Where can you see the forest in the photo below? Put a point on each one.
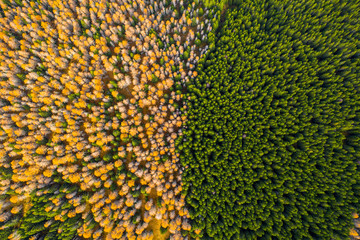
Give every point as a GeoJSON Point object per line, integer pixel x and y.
{"type": "Point", "coordinates": [272, 139]}
{"type": "Point", "coordinates": [179, 119]}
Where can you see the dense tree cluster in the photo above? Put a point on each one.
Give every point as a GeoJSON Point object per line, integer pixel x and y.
{"type": "Point", "coordinates": [271, 148]}
{"type": "Point", "coordinates": [46, 221]}
{"type": "Point", "coordinates": [124, 119]}
{"type": "Point", "coordinates": [90, 98]}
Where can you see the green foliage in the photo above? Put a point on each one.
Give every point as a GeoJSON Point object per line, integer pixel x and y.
{"type": "Point", "coordinates": [272, 138]}
{"type": "Point", "coordinates": [201, 12]}
{"type": "Point", "coordinates": [73, 96]}
{"type": "Point", "coordinates": [215, 3]}
{"type": "Point", "coordinates": [163, 230]}
{"type": "Point", "coordinates": [186, 55]}
{"type": "Point", "coordinates": [45, 114]}
{"type": "Point", "coordinates": [21, 76]}
{"type": "Point", "coordinates": [5, 233]}
{"type": "Point", "coordinates": [107, 157]}
{"type": "Point", "coordinates": [154, 78]}
{"type": "Point", "coordinates": [198, 42]}
{"type": "Point", "coordinates": [33, 222]}
{"type": "Point", "coordinates": [136, 141]}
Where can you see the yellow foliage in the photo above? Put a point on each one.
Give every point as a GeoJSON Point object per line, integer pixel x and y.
{"type": "Point", "coordinates": [15, 209]}
{"type": "Point", "coordinates": [48, 173]}
{"type": "Point", "coordinates": [118, 163]}
{"type": "Point", "coordinates": [131, 183]}
{"type": "Point", "coordinates": [137, 57]}
{"type": "Point", "coordinates": [353, 233]}
{"type": "Point", "coordinates": [74, 178]}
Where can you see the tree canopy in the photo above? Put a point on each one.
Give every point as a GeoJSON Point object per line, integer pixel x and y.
{"type": "Point", "coordinates": [272, 139]}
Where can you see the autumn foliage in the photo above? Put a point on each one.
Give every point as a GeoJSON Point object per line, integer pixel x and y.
{"type": "Point", "coordinates": [90, 108]}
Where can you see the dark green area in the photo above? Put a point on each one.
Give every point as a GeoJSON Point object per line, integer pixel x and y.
{"type": "Point", "coordinates": [5, 233]}
{"type": "Point", "coordinates": [272, 139]}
